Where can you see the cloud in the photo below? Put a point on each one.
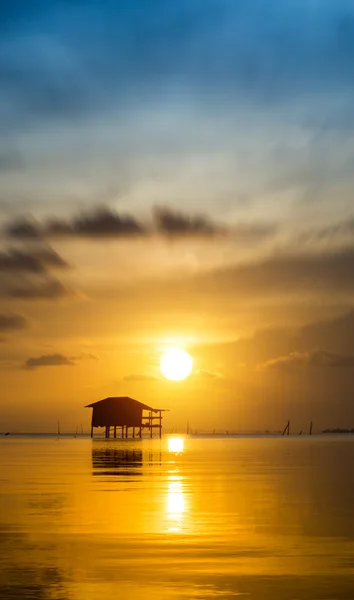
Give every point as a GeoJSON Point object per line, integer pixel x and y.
{"type": "Point", "coordinates": [171, 223]}
{"type": "Point", "coordinates": [140, 377]}
{"type": "Point", "coordinates": [31, 261]}
{"type": "Point", "coordinates": [46, 289]}
{"type": "Point", "coordinates": [104, 222]}
{"type": "Point", "coordinates": [330, 272]}
{"type": "Point", "coordinates": [87, 356]}
{"type": "Point", "coordinates": [319, 277]}
{"type": "Point", "coordinates": [26, 273]}
{"type": "Point", "coordinates": [57, 360]}
{"type": "Point", "coordinates": [314, 358]}
{"type": "Point", "coordinates": [101, 223]}
{"type": "Point", "coordinates": [12, 322]}
{"type": "Point", "coordinates": [341, 229]}
{"type": "Point", "coordinates": [205, 374]}
{"type": "Point", "coordinates": [24, 229]}
{"type": "Point", "coordinates": [48, 360]}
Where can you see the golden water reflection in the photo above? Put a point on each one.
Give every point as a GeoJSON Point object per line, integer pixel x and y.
{"type": "Point", "coordinates": [256, 518]}
{"type": "Point", "coordinates": [176, 501]}
{"type": "Point", "coordinates": [176, 445]}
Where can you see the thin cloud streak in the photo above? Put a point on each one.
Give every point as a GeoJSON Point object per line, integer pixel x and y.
{"type": "Point", "coordinates": [56, 360]}
{"type": "Point", "coordinates": [140, 377]}
{"type": "Point", "coordinates": [315, 358]}
{"type": "Point", "coordinates": [48, 360]}
{"type": "Point", "coordinates": [330, 271]}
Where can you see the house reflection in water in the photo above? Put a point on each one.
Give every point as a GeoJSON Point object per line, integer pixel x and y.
{"type": "Point", "coordinates": [122, 461]}
{"type": "Point", "coordinates": [110, 461]}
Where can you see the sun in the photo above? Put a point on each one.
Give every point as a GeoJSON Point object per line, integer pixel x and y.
{"type": "Point", "coordinates": [176, 364]}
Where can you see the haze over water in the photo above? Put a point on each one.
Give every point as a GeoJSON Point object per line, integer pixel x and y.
{"type": "Point", "coordinates": [260, 518]}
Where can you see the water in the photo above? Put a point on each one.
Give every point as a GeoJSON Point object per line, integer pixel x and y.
{"type": "Point", "coordinates": [254, 518]}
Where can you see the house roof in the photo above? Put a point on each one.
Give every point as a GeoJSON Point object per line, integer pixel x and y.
{"type": "Point", "coordinates": [119, 400]}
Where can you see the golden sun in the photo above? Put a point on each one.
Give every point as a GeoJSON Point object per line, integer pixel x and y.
{"type": "Point", "coordinates": [176, 364]}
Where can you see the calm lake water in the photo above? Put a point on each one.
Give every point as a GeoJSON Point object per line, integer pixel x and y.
{"type": "Point", "coordinates": [258, 518]}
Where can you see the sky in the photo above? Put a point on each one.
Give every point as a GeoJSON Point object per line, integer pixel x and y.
{"type": "Point", "coordinates": [177, 174]}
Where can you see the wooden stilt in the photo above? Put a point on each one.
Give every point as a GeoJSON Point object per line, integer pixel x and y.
{"type": "Point", "coordinates": [115, 432]}
{"type": "Point", "coordinates": [311, 425]}
{"type": "Point", "coordinates": [133, 432]}
{"type": "Point", "coordinates": [91, 430]}
{"type": "Point", "coordinates": [126, 431]}
{"type": "Point", "coordinates": [122, 431]}
{"type": "Point", "coordinates": [107, 431]}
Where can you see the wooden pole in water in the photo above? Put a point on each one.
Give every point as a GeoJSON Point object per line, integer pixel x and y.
{"type": "Point", "coordinates": [287, 429]}
{"type": "Point", "coordinates": [311, 425]}
{"type": "Point", "coordinates": [115, 432]}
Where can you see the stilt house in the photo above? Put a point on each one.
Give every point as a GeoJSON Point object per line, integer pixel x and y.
{"type": "Point", "coordinates": [125, 413]}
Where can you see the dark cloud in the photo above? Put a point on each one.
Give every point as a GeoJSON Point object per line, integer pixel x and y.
{"type": "Point", "coordinates": [48, 360]}
{"type": "Point", "coordinates": [314, 358]}
{"type": "Point", "coordinates": [27, 273]}
{"type": "Point", "coordinates": [12, 322]}
{"type": "Point", "coordinates": [30, 260]}
{"type": "Point", "coordinates": [47, 288]}
{"type": "Point", "coordinates": [101, 223]}
{"type": "Point", "coordinates": [24, 229]}
{"type": "Point", "coordinates": [139, 377]}
{"type": "Point", "coordinates": [104, 222]}
{"type": "Point", "coordinates": [176, 224]}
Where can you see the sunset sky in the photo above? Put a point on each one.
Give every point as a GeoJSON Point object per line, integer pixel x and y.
{"type": "Point", "coordinates": [177, 174]}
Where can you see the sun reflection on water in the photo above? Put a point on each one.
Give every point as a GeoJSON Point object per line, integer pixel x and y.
{"type": "Point", "coordinates": [176, 445]}
{"type": "Point", "coordinates": [175, 503]}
